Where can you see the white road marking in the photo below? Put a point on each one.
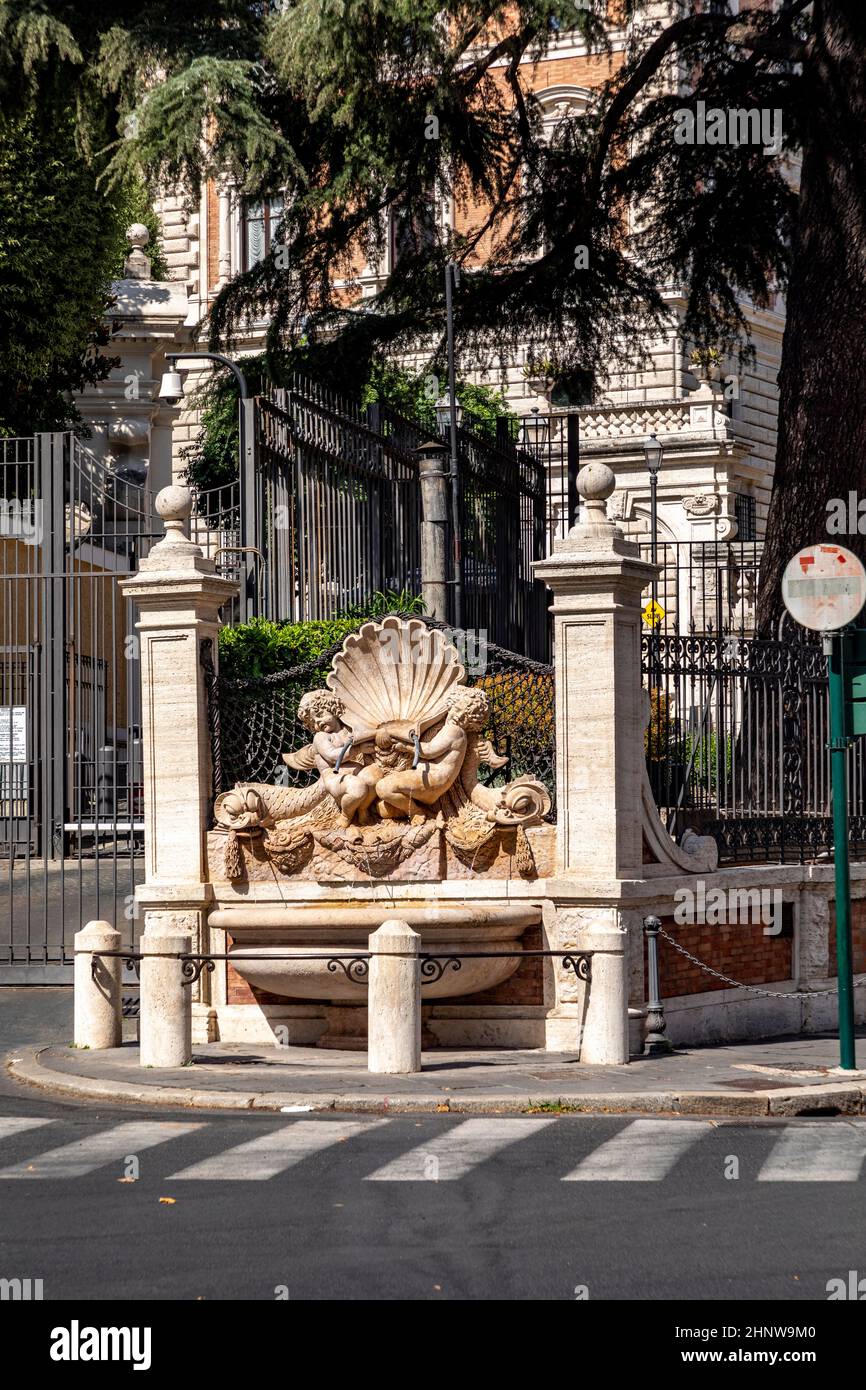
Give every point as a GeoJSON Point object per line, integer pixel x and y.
{"type": "Point", "coordinates": [17, 1125]}
{"type": "Point", "coordinates": [454, 1153]}
{"type": "Point", "coordinates": [96, 1150]}
{"type": "Point", "coordinates": [645, 1151]}
{"type": "Point", "coordinates": [806, 1153]}
{"type": "Point", "coordinates": [275, 1152]}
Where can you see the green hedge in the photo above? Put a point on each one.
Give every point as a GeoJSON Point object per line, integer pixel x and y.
{"type": "Point", "coordinates": [261, 647]}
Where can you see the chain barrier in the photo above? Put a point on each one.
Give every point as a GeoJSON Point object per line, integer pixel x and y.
{"type": "Point", "coordinates": [737, 984]}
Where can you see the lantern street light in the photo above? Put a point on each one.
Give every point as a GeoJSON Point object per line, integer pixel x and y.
{"type": "Point", "coordinates": [535, 430]}
{"type": "Point", "coordinates": [653, 454]}
{"type": "Point", "coordinates": [444, 413]}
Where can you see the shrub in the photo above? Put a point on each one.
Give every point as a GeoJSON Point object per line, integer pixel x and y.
{"type": "Point", "coordinates": [261, 647]}
{"type": "Point", "coordinates": [661, 738]}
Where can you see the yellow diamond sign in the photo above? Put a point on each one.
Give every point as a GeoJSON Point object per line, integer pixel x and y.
{"type": "Point", "coordinates": [653, 613]}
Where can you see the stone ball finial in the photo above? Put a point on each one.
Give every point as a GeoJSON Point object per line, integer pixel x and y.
{"type": "Point", "coordinates": [137, 235]}
{"type": "Point", "coordinates": [596, 482]}
{"type": "Point", "coordinates": [173, 504]}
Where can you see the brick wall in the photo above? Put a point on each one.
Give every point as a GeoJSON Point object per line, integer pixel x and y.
{"type": "Point", "coordinates": [525, 986]}
{"type": "Point", "coordinates": [742, 952]}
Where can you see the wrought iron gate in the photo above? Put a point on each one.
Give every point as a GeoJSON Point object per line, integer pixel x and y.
{"type": "Point", "coordinates": [71, 824]}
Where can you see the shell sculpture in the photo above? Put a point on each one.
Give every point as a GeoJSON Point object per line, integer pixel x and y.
{"type": "Point", "coordinates": [395, 671]}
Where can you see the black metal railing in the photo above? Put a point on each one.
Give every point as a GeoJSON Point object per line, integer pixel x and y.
{"type": "Point", "coordinates": [706, 586]}
{"type": "Point", "coordinates": [354, 964]}
{"type": "Point", "coordinates": [254, 721]}
{"type": "Point", "coordinates": [332, 516]}
{"type": "Point", "coordinates": [737, 745]}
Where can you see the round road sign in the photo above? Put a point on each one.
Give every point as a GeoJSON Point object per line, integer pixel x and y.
{"type": "Point", "coordinates": [824, 587]}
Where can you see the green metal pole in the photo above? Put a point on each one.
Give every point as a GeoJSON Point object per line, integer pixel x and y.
{"type": "Point", "coordinates": [839, 742]}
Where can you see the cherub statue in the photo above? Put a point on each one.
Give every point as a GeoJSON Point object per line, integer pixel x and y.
{"type": "Point", "coordinates": [438, 763]}
{"type": "Point", "coordinates": [349, 778]}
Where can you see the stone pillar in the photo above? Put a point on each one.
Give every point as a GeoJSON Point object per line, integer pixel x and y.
{"type": "Point", "coordinates": [394, 1001]}
{"type": "Point", "coordinates": [597, 579]}
{"type": "Point", "coordinates": [605, 1025]}
{"type": "Point", "coordinates": [178, 595]}
{"type": "Point", "coordinates": [166, 1000]}
{"type": "Point", "coordinates": [97, 998]}
{"type": "Point", "coordinates": [812, 957]}
{"type": "Point", "coordinates": [433, 471]}
{"type": "Point", "coordinates": [812, 962]}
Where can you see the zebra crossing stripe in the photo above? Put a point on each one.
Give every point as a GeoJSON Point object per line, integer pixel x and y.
{"type": "Point", "coordinates": [454, 1153]}
{"type": "Point", "coordinates": [108, 1146]}
{"type": "Point", "coordinates": [273, 1153]}
{"type": "Point", "coordinates": [645, 1151]}
{"type": "Point", "coordinates": [807, 1153]}
{"type": "Point", "coordinates": [10, 1125]}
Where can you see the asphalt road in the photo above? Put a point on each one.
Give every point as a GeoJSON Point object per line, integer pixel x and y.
{"type": "Point", "coordinates": [264, 1207]}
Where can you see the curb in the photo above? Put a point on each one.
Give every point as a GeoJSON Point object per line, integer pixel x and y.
{"type": "Point", "coordinates": [811, 1101]}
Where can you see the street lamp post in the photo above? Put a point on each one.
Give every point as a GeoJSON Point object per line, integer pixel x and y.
{"type": "Point", "coordinates": [171, 391]}
{"type": "Point", "coordinates": [452, 279]}
{"type": "Point", "coordinates": [653, 455]}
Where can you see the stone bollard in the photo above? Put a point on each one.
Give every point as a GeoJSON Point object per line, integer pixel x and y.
{"type": "Point", "coordinates": [394, 1002]}
{"type": "Point", "coordinates": [96, 1003]}
{"type": "Point", "coordinates": [605, 1026]}
{"type": "Point", "coordinates": [166, 1000]}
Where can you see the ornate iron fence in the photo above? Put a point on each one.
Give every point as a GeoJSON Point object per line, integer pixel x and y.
{"type": "Point", "coordinates": [254, 721]}
{"type": "Point", "coordinates": [329, 513]}
{"type": "Point", "coordinates": [737, 745]}
{"type": "Point", "coordinates": [706, 586]}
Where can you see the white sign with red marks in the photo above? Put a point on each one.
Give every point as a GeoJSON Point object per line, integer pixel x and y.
{"type": "Point", "coordinates": [824, 587]}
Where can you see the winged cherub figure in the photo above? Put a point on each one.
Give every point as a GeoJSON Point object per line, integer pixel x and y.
{"type": "Point", "coordinates": [345, 774]}
{"type": "Point", "coordinates": [437, 763]}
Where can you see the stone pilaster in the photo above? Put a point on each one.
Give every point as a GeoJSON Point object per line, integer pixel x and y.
{"type": "Point", "coordinates": [597, 579]}
{"type": "Point", "coordinates": [178, 595]}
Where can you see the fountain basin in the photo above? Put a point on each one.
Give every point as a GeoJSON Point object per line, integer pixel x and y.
{"type": "Point", "coordinates": [261, 935]}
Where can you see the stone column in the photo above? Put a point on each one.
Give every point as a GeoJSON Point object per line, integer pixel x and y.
{"type": "Point", "coordinates": [178, 595]}
{"type": "Point", "coordinates": [97, 997]}
{"type": "Point", "coordinates": [433, 470]}
{"type": "Point", "coordinates": [394, 1001]}
{"type": "Point", "coordinates": [597, 579]}
{"type": "Point", "coordinates": [224, 235]}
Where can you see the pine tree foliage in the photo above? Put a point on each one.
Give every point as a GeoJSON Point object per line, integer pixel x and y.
{"type": "Point", "coordinates": [577, 241]}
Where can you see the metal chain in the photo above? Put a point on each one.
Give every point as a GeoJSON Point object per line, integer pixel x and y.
{"type": "Point", "coordinates": [736, 984]}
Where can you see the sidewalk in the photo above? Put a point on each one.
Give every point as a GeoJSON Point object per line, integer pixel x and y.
{"type": "Point", "coordinates": [777, 1077]}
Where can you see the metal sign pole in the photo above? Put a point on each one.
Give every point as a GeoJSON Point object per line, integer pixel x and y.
{"type": "Point", "coordinates": [834, 645]}
{"type": "Point", "coordinates": [824, 589]}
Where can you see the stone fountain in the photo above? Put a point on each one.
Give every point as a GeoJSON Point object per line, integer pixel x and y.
{"type": "Point", "coordinates": [394, 798]}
